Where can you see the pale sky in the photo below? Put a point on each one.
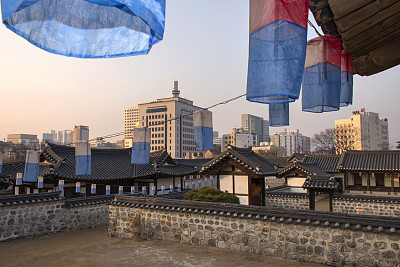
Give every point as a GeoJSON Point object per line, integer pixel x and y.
{"type": "Point", "coordinates": [205, 48]}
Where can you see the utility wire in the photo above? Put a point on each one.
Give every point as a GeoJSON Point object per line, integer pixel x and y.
{"type": "Point", "coordinates": [164, 122]}
{"type": "Point", "coordinates": [315, 29]}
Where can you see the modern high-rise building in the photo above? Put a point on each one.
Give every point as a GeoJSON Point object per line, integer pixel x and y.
{"type": "Point", "coordinates": [171, 123]}
{"type": "Point", "coordinates": [239, 138]}
{"type": "Point", "coordinates": [256, 125]}
{"type": "Point", "coordinates": [131, 121]}
{"type": "Point", "coordinates": [81, 133]}
{"type": "Point", "coordinates": [216, 140]}
{"type": "Point", "coordinates": [363, 131]}
{"type": "Point", "coordinates": [29, 140]}
{"type": "Point", "coordinates": [292, 141]}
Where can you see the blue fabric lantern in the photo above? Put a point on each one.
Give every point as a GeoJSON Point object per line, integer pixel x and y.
{"type": "Point", "coordinates": [200, 185]}
{"type": "Point", "coordinates": [179, 188]}
{"type": "Point", "coordinates": [77, 187]}
{"type": "Point", "coordinates": [212, 180]}
{"type": "Point", "coordinates": [144, 190]}
{"type": "Point", "coordinates": [203, 129]}
{"type": "Point", "coordinates": [40, 182]}
{"type": "Point", "coordinates": [132, 190]}
{"type": "Point", "coordinates": [321, 79]}
{"type": "Point", "coordinates": [31, 171]}
{"type": "Point", "coordinates": [162, 190]}
{"type": "Point", "coordinates": [171, 188]}
{"type": "Point", "coordinates": [60, 185]}
{"type": "Point", "coordinates": [108, 190]}
{"type": "Point", "coordinates": [205, 182]}
{"type": "Point", "coordinates": [346, 88]}
{"type": "Point", "coordinates": [93, 189]}
{"type": "Point", "coordinates": [187, 186]}
{"type": "Point", "coordinates": [141, 146]}
{"type": "Point", "coordinates": [277, 50]}
{"type": "Point", "coordinates": [278, 115]}
{"type": "Point", "coordinates": [18, 179]}
{"type": "Point", "coordinates": [120, 190]}
{"type": "Point", "coordinates": [83, 161]}
{"type": "Point", "coordinates": [193, 185]}
{"type": "Point", "coordinates": [153, 190]}
{"type": "Point", "coordinates": [88, 28]}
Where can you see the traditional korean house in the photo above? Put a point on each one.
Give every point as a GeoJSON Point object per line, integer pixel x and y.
{"type": "Point", "coordinates": [371, 172]}
{"type": "Point", "coordinates": [242, 172]}
{"type": "Point", "coordinates": [108, 167]}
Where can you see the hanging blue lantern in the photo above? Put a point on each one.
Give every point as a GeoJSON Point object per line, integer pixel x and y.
{"type": "Point", "coordinates": [120, 190]}
{"type": "Point", "coordinates": [277, 50]}
{"type": "Point", "coordinates": [346, 88]}
{"type": "Point", "coordinates": [40, 182]}
{"type": "Point", "coordinates": [279, 115]}
{"type": "Point", "coordinates": [200, 185]}
{"type": "Point", "coordinates": [212, 179]}
{"type": "Point", "coordinates": [88, 28]}
{"type": "Point", "coordinates": [187, 186]}
{"type": "Point", "coordinates": [77, 187]}
{"type": "Point", "coordinates": [93, 189]}
{"type": "Point", "coordinates": [18, 179]}
{"type": "Point", "coordinates": [179, 188]}
{"type": "Point", "coordinates": [171, 188]}
{"type": "Point", "coordinates": [141, 146]}
{"type": "Point", "coordinates": [162, 190]}
{"type": "Point", "coordinates": [144, 190]}
{"type": "Point", "coordinates": [203, 129]}
{"type": "Point", "coordinates": [193, 185]}
{"type": "Point", "coordinates": [321, 79]}
{"type": "Point", "coordinates": [60, 185]}
{"type": "Point", "coordinates": [153, 190]}
{"type": "Point", "coordinates": [132, 190]}
{"type": "Point", "coordinates": [31, 172]}
{"type": "Point", "coordinates": [205, 182]}
{"type": "Point", "coordinates": [108, 190]}
{"type": "Point", "coordinates": [83, 159]}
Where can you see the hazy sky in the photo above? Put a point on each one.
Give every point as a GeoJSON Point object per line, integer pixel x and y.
{"type": "Point", "coordinates": [205, 48]}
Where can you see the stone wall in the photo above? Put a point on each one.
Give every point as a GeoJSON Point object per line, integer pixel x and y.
{"type": "Point", "coordinates": [369, 205]}
{"type": "Point", "coordinates": [40, 214]}
{"type": "Point", "coordinates": [321, 237]}
{"type": "Point", "coordinates": [287, 200]}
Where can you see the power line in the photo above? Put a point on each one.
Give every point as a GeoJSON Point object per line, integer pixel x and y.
{"type": "Point", "coordinates": [315, 29]}
{"type": "Point", "coordinates": [164, 122]}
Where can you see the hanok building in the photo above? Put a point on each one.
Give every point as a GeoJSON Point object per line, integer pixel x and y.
{"type": "Point", "coordinates": [371, 171]}
{"type": "Point", "coordinates": [242, 172]}
{"type": "Point", "coordinates": [108, 167]}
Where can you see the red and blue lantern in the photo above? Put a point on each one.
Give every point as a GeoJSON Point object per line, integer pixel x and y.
{"type": "Point", "coordinates": [31, 172]}
{"type": "Point", "coordinates": [322, 78]}
{"type": "Point", "coordinates": [346, 88]}
{"type": "Point", "coordinates": [277, 50]}
{"type": "Point", "coordinates": [141, 146]}
{"type": "Point", "coordinates": [83, 158]}
{"type": "Point", "coordinates": [203, 129]}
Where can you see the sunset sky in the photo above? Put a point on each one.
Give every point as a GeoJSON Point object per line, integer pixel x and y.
{"type": "Point", "coordinates": [205, 48]}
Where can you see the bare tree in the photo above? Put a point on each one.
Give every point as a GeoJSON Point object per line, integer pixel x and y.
{"type": "Point", "coordinates": [346, 138]}
{"type": "Point", "coordinates": [324, 142]}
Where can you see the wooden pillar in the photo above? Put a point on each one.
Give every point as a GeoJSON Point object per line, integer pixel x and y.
{"type": "Point", "coordinates": [368, 181]}
{"type": "Point", "coordinates": [263, 191]}
{"type": "Point", "coordinates": [330, 200]}
{"type": "Point", "coordinates": [392, 182]}
{"type": "Point", "coordinates": [218, 184]}
{"type": "Point", "coordinates": [311, 198]}
{"type": "Point", "coordinates": [346, 177]}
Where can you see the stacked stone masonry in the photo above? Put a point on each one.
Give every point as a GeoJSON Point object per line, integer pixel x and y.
{"type": "Point", "coordinates": [310, 243]}
{"type": "Point", "coordinates": [294, 201]}
{"type": "Point", "coordinates": [34, 219]}
{"type": "Point", "coordinates": [379, 206]}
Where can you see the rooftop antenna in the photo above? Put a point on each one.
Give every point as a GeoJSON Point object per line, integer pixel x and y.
{"type": "Point", "coordinates": [175, 92]}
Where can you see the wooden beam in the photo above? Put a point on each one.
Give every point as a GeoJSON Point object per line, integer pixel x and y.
{"type": "Point", "coordinates": [392, 182]}
{"type": "Point", "coordinates": [368, 181]}
{"type": "Point", "coordinates": [344, 7]}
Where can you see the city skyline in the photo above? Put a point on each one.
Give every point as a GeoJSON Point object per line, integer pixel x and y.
{"type": "Point", "coordinates": [206, 54]}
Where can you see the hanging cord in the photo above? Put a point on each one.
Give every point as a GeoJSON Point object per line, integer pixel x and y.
{"type": "Point", "coordinates": [315, 29]}
{"type": "Point", "coordinates": [163, 122]}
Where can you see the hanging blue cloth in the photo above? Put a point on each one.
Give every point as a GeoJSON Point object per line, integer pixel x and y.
{"type": "Point", "coordinates": [277, 50]}
{"type": "Point", "coordinates": [203, 130]}
{"type": "Point", "coordinates": [83, 158]}
{"type": "Point", "coordinates": [346, 89]}
{"type": "Point", "coordinates": [141, 146]}
{"type": "Point", "coordinates": [88, 28]}
{"type": "Point", "coordinates": [321, 79]}
{"type": "Point", "coordinates": [279, 115]}
{"type": "Point", "coordinates": [31, 171]}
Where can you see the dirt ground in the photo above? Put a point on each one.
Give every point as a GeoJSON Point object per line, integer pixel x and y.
{"type": "Point", "coordinates": [94, 248]}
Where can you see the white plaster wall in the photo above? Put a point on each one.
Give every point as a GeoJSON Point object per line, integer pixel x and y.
{"type": "Point", "coordinates": [177, 181]}
{"type": "Point", "coordinates": [241, 184]}
{"type": "Point", "coordinates": [295, 181]}
{"type": "Point", "coordinates": [364, 178]}
{"type": "Point", "coordinates": [165, 182]}
{"type": "Point", "coordinates": [350, 180]}
{"type": "Point", "coordinates": [373, 181]}
{"type": "Point", "coordinates": [225, 183]}
{"type": "Point", "coordinates": [244, 200]}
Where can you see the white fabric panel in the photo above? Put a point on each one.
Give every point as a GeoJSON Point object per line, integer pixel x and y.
{"type": "Point", "coordinates": [82, 148]}
{"type": "Point", "coordinates": [364, 181]}
{"type": "Point", "coordinates": [165, 182]}
{"type": "Point", "coordinates": [225, 183]}
{"type": "Point", "coordinates": [373, 181]}
{"type": "Point", "coordinates": [32, 157]}
{"type": "Point", "coordinates": [141, 135]}
{"type": "Point", "coordinates": [244, 200]}
{"type": "Point", "coordinates": [202, 118]}
{"type": "Point", "coordinates": [388, 181]}
{"type": "Point", "coordinates": [241, 184]}
{"type": "Point", "coordinates": [350, 179]}
{"type": "Point", "coordinates": [295, 181]}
